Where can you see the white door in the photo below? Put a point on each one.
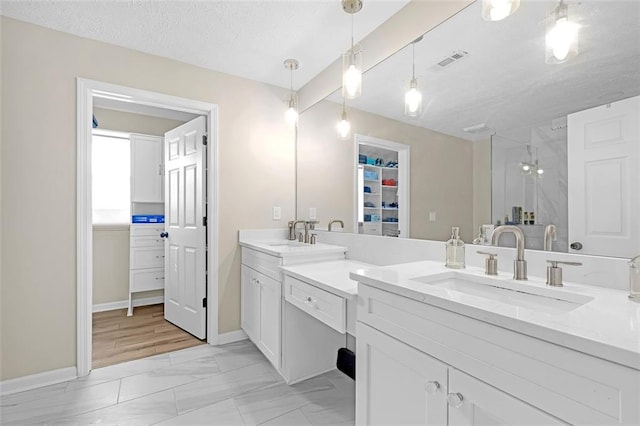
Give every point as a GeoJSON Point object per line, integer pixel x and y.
{"type": "Point", "coordinates": [604, 179]}
{"type": "Point", "coordinates": [472, 402]}
{"type": "Point", "coordinates": [270, 300]}
{"type": "Point", "coordinates": [250, 303]}
{"type": "Point", "coordinates": [185, 212]}
{"type": "Point", "coordinates": [397, 384]}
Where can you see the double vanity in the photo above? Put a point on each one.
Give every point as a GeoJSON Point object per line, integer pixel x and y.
{"type": "Point", "coordinates": [441, 346]}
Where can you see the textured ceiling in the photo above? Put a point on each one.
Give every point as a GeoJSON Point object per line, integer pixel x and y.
{"type": "Point", "coordinates": [504, 81]}
{"type": "Point", "coordinates": [250, 39]}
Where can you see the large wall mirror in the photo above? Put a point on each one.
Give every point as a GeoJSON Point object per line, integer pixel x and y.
{"type": "Point", "coordinates": [494, 129]}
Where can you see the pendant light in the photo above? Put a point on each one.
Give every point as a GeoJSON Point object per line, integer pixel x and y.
{"type": "Point", "coordinates": [561, 41]}
{"type": "Point", "coordinates": [413, 97]}
{"type": "Point", "coordinates": [291, 114]}
{"type": "Point", "coordinates": [344, 126]}
{"type": "Point", "coordinates": [497, 10]}
{"type": "Point", "coordinates": [352, 59]}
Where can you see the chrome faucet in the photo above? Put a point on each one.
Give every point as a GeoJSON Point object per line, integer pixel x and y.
{"type": "Point", "coordinates": [331, 222]}
{"type": "Point", "coordinates": [549, 237]}
{"type": "Point", "coordinates": [292, 228]}
{"type": "Point", "coordinates": [519, 265]}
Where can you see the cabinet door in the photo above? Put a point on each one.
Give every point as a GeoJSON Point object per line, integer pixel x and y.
{"type": "Point", "coordinates": [250, 303]}
{"type": "Point", "coordinates": [146, 169]}
{"type": "Point", "coordinates": [397, 384]}
{"type": "Point", "coordinates": [270, 299]}
{"type": "Point", "coordinates": [472, 402]}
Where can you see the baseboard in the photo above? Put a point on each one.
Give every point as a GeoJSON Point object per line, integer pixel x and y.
{"type": "Point", "coordinates": [33, 381]}
{"type": "Point", "coordinates": [232, 336]}
{"type": "Point", "coordinates": [122, 304]}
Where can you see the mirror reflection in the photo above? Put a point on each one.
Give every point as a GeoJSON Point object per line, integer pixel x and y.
{"type": "Point", "coordinates": [505, 128]}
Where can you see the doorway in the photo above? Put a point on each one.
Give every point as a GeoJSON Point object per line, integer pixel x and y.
{"type": "Point", "coordinates": [87, 90]}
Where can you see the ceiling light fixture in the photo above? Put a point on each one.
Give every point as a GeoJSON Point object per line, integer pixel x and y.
{"type": "Point", "coordinates": [497, 10]}
{"type": "Point", "coordinates": [352, 58]}
{"type": "Point", "coordinates": [344, 126]}
{"type": "Point", "coordinates": [530, 167]}
{"type": "Point", "coordinates": [291, 114]}
{"type": "Point", "coordinates": [561, 41]}
{"type": "Point", "coordinates": [413, 97]}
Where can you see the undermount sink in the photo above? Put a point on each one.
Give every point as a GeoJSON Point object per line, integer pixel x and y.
{"type": "Point", "coordinates": [541, 299]}
{"type": "Point", "coordinates": [286, 244]}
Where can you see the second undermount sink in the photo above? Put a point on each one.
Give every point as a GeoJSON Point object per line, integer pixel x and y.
{"type": "Point", "coordinates": [542, 299]}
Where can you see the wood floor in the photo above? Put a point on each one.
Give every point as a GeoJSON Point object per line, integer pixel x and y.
{"type": "Point", "coordinates": [118, 338]}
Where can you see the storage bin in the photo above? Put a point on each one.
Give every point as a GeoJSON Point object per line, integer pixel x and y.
{"type": "Point", "coordinates": [147, 218]}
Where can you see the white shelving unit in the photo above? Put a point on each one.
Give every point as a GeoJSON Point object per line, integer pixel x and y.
{"type": "Point", "coordinates": [382, 210]}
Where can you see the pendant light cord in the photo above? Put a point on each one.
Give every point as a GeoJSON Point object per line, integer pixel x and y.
{"type": "Point", "coordinates": [413, 67]}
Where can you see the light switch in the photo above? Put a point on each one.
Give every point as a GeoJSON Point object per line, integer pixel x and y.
{"type": "Point", "coordinates": [277, 213]}
{"type": "Point", "coordinates": [312, 213]}
{"type": "Point", "coordinates": [432, 216]}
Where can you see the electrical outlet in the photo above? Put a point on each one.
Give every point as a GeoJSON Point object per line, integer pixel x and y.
{"type": "Point", "coordinates": [312, 213]}
{"type": "Point", "coordinates": [432, 216]}
{"type": "Point", "coordinates": [277, 213]}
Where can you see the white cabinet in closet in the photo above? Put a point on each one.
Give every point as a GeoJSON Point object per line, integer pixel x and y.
{"type": "Point", "coordinates": [146, 259]}
{"type": "Point", "coordinates": [147, 169]}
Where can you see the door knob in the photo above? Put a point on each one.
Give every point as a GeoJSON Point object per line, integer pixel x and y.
{"type": "Point", "coordinates": [576, 246]}
{"type": "Point", "coordinates": [455, 400]}
{"type": "Point", "coordinates": [164, 235]}
{"type": "Point", "coordinates": [432, 387]}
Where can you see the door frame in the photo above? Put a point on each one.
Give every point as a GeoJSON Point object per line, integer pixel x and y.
{"type": "Point", "coordinates": [84, 227]}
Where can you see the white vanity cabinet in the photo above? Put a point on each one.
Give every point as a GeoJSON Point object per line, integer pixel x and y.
{"type": "Point", "coordinates": [486, 374]}
{"type": "Point", "coordinates": [262, 300]}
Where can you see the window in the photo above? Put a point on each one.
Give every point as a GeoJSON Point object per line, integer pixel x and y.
{"type": "Point", "coordinates": [111, 178]}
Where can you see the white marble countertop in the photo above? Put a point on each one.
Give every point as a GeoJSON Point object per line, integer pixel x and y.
{"type": "Point", "coordinates": [606, 326]}
{"type": "Point", "coordinates": [286, 248]}
{"type": "Point", "coordinates": [331, 276]}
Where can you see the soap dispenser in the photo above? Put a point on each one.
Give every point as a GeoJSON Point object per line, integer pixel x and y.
{"type": "Point", "coordinates": [455, 250]}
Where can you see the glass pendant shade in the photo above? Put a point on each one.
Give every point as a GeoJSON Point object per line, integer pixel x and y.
{"type": "Point", "coordinates": [352, 73]}
{"type": "Point", "coordinates": [497, 10]}
{"type": "Point", "coordinates": [561, 41]}
{"type": "Point", "coordinates": [291, 114]}
{"type": "Point", "coordinates": [343, 127]}
{"type": "Point", "coordinates": [413, 100]}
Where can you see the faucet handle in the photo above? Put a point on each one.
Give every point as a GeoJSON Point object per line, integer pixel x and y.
{"type": "Point", "coordinates": [491, 263]}
{"type": "Point", "coordinates": [554, 273]}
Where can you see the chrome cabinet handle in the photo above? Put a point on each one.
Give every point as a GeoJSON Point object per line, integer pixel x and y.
{"type": "Point", "coordinates": [455, 399]}
{"type": "Point", "coordinates": [432, 387]}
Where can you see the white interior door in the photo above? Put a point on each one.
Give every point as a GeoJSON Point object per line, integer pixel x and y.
{"type": "Point", "coordinates": [604, 181]}
{"type": "Point", "coordinates": [185, 212]}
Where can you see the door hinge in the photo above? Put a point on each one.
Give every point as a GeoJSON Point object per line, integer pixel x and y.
{"type": "Point", "coordinates": [204, 221]}
{"type": "Point", "coordinates": [204, 302]}
{"type": "Point", "coordinates": [204, 140]}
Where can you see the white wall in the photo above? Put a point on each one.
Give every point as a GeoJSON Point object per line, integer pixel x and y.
{"type": "Point", "coordinates": [38, 266]}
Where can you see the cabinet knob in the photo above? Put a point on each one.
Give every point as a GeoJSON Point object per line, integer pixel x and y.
{"type": "Point", "coordinates": [164, 235]}
{"type": "Point", "coordinates": [455, 399]}
{"type": "Point", "coordinates": [432, 387]}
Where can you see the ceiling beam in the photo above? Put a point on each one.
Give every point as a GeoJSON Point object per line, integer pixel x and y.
{"type": "Point", "coordinates": [409, 23]}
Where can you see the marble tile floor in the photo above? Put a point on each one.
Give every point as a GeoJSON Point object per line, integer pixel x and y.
{"type": "Point", "coordinates": [232, 384]}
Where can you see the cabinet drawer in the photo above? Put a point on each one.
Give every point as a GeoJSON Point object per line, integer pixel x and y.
{"type": "Point", "coordinates": [147, 229]}
{"type": "Point", "coordinates": [320, 304]}
{"type": "Point", "coordinates": [144, 280]}
{"type": "Point", "coordinates": [372, 228]}
{"type": "Point", "coordinates": [143, 257]}
{"type": "Point", "coordinates": [147, 241]}
{"type": "Point", "coordinates": [262, 262]}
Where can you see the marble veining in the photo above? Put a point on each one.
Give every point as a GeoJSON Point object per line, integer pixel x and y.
{"type": "Point", "coordinates": [225, 385]}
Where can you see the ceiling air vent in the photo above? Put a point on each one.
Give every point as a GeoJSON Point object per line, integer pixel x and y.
{"type": "Point", "coordinates": [456, 56]}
